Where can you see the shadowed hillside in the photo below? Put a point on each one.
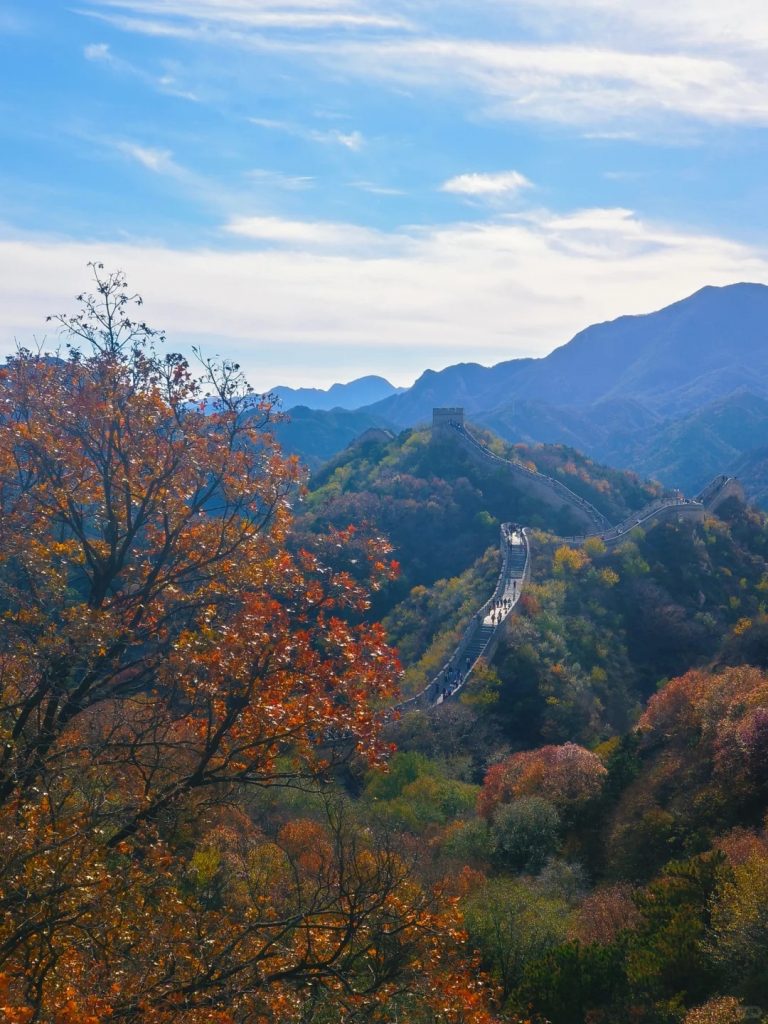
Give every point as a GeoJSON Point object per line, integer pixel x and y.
{"type": "Point", "coordinates": [675, 395]}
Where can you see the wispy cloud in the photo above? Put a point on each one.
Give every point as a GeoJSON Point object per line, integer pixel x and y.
{"type": "Point", "coordinates": [377, 190]}
{"type": "Point", "coordinates": [272, 124]}
{"type": "Point", "coordinates": [353, 140]}
{"type": "Point", "coordinates": [695, 60]}
{"type": "Point", "coordinates": [196, 16]}
{"type": "Point", "coordinates": [487, 186]}
{"type": "Point", "coordinates": [349, 140]}
{"type": "Point", "coordinates": [99, 52]}
{"type": "Point", "coordinates": [259, 187]}
{"type": "Point", "coordinates": [276, 179]}
{"type": "Point", "coordinates": [102, 53]}
{"type": "Point", "coordinates": [741, 25]}
{"type": "Point", "coordinates": [160, 161]}
{"type": "Point", "coordinates": [305, 234]}
{"type": "Point", "coordinates": [575, 85]}
{"type": "Point", "coordinates": [200, 189]}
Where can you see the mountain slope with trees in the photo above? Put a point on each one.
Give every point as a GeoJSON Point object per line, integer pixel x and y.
{"type": "Point", "coordinates": [670, 394]}
{"type": "Point", "coordinates": [208, 817]}
{"type": "Point", "coordinates": [614, 865]}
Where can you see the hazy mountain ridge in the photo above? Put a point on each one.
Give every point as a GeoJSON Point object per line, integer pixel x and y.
{"type": "Point", "coordinates": [317, 435]}
{"type": "Point", "coordinates": [352, 395]}
{"type": "Point", "coordinates": [684, 452]}
{"type": "Point", "coordinates": [678, 394]}
{"type": "Point", "coordinates": [671, 360]}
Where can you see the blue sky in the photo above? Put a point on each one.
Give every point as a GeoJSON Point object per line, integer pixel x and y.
{"type": "Point", "coordinates": [326, 188]}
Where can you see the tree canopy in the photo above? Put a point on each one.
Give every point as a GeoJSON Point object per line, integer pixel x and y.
{"type": "Point", "coordinates": [162, 655]}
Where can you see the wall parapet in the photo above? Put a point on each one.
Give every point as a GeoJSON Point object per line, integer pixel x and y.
{"type": "Point", "coordinates": [480, 639]}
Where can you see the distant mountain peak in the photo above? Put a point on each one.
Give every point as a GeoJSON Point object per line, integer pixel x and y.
{"type": "Point", "coordinates": [353, 395]}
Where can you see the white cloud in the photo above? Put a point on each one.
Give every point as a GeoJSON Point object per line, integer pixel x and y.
{"type": "Point", "coordinates": [740, 25]}
{"type": "Point", "coordinates": [377, 190]}
{"type": "Point", "coordinates": [98, 51]}
{"type": "Point", "coordinates": [272, 124]}
{"type": "Point", "coordinates": [197, 17]}
{"type": "Point", "coordinates": [487, 186]}
{"type": "Point", "coordinates": [298, 234]}
{"type": "Point", "coordinates": [276, 179]}
{"type": "Point", "coordinates": [598, 65]}
{"type": "Point", "coordinates": [328, 296]}
{"type": "Point", "coordinates": [102, 53]}
{"type": "Point", "coordinates": [158, 160]}
{"type": "Point", "coordinates": [574, 85]}
{"type": "Point", "coordinates": [206, 190]}
{"type": "Point", "coordinates": [353, 140]}
{"type": "Point", "coordinates": [162, 163]}
{"type": "Point", "coordinates": [350, 140]}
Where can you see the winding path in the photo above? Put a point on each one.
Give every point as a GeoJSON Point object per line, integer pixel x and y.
{"type": "Point", "coordinates": [482, 635]}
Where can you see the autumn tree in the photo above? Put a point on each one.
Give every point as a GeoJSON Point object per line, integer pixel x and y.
{"type": "Point", "coordinates": [568, 776]}
{"type": "Point", "coordinates": [161, 652]}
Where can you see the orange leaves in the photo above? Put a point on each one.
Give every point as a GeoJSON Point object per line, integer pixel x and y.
{"type": "Point", "coordinates": [567, 775]}
{"type": "Point", "coordinates": [11, 1012]}
{"type": "Point", "coordinates": [306, 843]}
{"type": "Point", "coordinates": [160, 649]}
{"type": "Point", "coordinates": [723, 717]}
{"type": "Point", "coordinates": [699, 703]}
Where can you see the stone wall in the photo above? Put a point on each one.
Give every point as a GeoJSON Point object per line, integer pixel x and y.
{"type": "Point", "coordinates": [446, 419]}
{"type": "Point", "coordinates": [545, 489]}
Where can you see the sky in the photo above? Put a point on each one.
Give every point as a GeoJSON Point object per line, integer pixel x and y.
{"type": "Point", "coordinates": [321, 189]}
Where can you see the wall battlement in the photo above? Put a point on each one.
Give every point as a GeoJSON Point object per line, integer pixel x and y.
{"type": "Point", "coordinates": [447, 418]}
{"type": "Point", "coordinates": [551, 492]}
{"type": "Point", "coordinates": [484, 631]}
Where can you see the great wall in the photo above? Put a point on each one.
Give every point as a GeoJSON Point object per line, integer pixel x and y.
{"type": "Point", "coordinates": [482, 635]}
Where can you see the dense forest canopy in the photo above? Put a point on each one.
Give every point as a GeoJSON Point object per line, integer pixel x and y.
{"type": "Point", "coordinates": [167, 662]}
{"type": "Point", "coordinates": [597, 848]}
{"type": "Point", "coordinates": [210, 813]}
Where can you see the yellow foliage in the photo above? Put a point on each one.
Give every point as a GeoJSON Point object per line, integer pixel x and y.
{"type": "Point", "coordinates": [605, 749]}
{"type": "Point", "coordinates": [721, 1010]}
{"type": "Point", "coordinates": [594, 547]}
{"type": "Point", "coordinates": [569, 560]}
{"type": "Point", "coordinates": [609, 578]}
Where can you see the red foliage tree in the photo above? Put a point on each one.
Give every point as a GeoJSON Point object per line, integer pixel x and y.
{"type": "Point", "coordinates": [567, 775]}
{"type": "Point", "coordinates": [161, 652]}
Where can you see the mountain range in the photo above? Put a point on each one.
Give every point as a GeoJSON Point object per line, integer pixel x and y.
{"type": "Point", "coordinates": [354, 395]}
{"type": "Point", "coordinates": [678, 394]}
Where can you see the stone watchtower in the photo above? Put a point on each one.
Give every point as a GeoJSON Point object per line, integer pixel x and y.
{"type": "Point", "coordinates": [444, 420]}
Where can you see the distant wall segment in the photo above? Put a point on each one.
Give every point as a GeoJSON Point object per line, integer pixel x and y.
{"type": "Point", "coordinates": [720, 490]}
{"type": "Point", "coordinates": [444, 420]}
{"type": "Point", "coordinates": [484, 631]}
{"type": "Point", "coordinates": [547, 490]}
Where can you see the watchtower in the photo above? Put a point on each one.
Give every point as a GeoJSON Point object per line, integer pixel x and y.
{"type": "Point", "coordinates": [446, 419]}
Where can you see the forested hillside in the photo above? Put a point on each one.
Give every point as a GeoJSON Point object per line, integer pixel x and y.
{"type": "Point", "coordinates": [182, 695]}
{"type": "Point", "coordinates": [441, 510]}
{"type": "Point", "coordinates": [596, 800]}
{"type": "Point", "coordinates": [212, 813]}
